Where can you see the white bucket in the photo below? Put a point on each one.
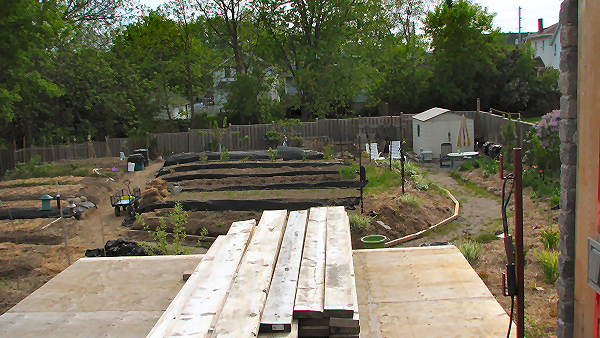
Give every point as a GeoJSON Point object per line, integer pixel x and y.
{"type": "Point", "coordinates": [130, 166]}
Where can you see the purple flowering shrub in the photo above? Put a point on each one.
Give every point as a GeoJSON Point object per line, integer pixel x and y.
{"type": "Point", "coordinates": [543, 143]}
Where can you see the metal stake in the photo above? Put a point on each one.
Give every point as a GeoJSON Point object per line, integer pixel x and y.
{"type": "Point", "coordinates": [64, 230]}
{"type": "Point", "coordinates": [518, 181]}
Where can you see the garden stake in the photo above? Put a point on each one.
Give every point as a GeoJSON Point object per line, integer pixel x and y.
{"type": "Point", "coordinates": [402, 164]}
{"type": "Point", "coordinates": [64, 230]}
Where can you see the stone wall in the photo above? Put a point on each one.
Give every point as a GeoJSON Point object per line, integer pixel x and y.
{"type": "Point", "coordinates": [568, 174]}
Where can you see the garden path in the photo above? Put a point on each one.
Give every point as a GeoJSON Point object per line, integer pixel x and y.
{"type": "Point", "coordinates": [479, 211]}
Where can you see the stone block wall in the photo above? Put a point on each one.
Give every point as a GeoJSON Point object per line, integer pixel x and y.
{"type": "Point", "coordinates": [568, 174]}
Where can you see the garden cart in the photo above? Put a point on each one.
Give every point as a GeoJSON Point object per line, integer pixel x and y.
{"type": "Point", "coordinates": [126, 199]}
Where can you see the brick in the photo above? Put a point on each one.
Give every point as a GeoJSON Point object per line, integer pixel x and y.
{"type": "Point", "coordinates": [566, 245]}
{"type": "Point", "coordinates": [568, 176]}
{"type": "Point", "coordinates": [567, 130]}
{"type": "Point", "coordinates": [568, 12]}
{"type": "Point", "coordinates": [565, 289]}
{"type": "Point", "coordinates": [567, 198]}
{"type": "Point", "coordinates": [568, 107]}
{"type": "Point", "coordinates": [568, 153]}
{"type": "Point", "coordinates": [568, 36]}
{"type": "Point", "coordinates": [564, 330]}
{"type": "Point", "coordinates": [568, 59]}
{"type": "Point", "coordinates": [566, 311]}
{"type": "Point", "coordinates": [567, 82]}
{"type": "Point", "coordinates": [566, 266]}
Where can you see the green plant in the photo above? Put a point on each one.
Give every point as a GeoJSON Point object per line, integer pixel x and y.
{"type": "Point", "coordinates": [178, 219]}
{"type": "Point", "coordinates": [359, 223]}
{"type": "Point", "coordinates": [548, 260]}
{"type": "Point", "coordinates": [471, 250]}
{"type": "Point", "coordinates": [273, 136]}
{"type": "Point", "coordinates": [420, 182]}
{"type": "Point", "coordinates": [485, 238]}
{"type": "Point", "coordinates": [328, 151]}
{"type": "Point", "coordinates": [272, 154]}
{"type": "Point", "coordinates": [246, 159]}
{"type": "Point", "coordinates": [543, 143]}
{"type": "Point", "coordinates": [347, 172]}
{"type": "Point", "coordinates": [409, 199]}
{"type": "Point", "coordinates": [225, 155]}
{"type": "Point", "coordinates": [218, 132]}
{"type": "Point", "coordinates": [410, 168]}
{"type": "Point", "coordinates": [304, 158]}
{"type": "Point", "coordinates": [550, 238]}
{"type": "Point", "coordinates": [203, 158]}
{"type": "Point", "coordinates": [245, 138]}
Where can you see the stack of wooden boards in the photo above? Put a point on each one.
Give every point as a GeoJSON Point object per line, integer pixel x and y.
{"type": "Point", "coordinates": [287, 277]}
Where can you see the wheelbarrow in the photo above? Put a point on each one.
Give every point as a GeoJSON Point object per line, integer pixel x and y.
{"type": "Point", "coordinates": [126, 200]}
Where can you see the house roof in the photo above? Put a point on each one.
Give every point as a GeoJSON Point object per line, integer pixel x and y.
{"type": "Point", "coordinates": [549, 31]}
{"type": "Point", "coordinates": [429, 114]}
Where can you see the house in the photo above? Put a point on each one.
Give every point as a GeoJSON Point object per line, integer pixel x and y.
{"type": "Point", "coordinates": [435, 126]}
{"type": "Point", "coordinates": [546, 45]}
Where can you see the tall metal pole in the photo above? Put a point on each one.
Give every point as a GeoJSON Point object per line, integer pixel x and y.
{"type": "Point", "coordinates": [518, 182]}
{"type": "Point", "coordinates": [520, 40]}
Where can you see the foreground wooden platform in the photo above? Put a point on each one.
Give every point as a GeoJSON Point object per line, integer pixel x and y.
{"type": "Point", "coordinates": [424, 292]}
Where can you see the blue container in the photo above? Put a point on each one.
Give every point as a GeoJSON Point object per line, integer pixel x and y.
{"type": "Point", "coordinates": [46, 202]}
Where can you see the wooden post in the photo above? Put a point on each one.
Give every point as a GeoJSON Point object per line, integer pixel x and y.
{"type": "Point", "coordinates": [52, 147]}
{"type": "Point", "coordinates": [15, 152]}
{"type": "Point", "coordinates": [64, 229]}
{"type": "Point", "coordinates": [108, 154]}
{"type": "Point", "coordinates": [518, 181]}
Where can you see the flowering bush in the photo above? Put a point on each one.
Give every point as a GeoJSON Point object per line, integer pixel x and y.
{"type": "Point", "coordinates": [543, 143]}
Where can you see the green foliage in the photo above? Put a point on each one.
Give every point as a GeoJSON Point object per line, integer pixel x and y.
{"type": "Point", "coordinates": [245, 138]}
{"type": "Point", "coordinates": [510, 141]}
{"type": "Point", "coordinates": [225, 155]}
{"type": "Point", "coordinates": [178, 219]}
{"type": "Point", "coordinates": [347, 172]}
{"type": "Point", "coordinates": [485, 238]}
{"type": "Point", "coordinates": [203, 158]}
{"type": "Point", "coordinates": [548, 261]}
{"type": "Point", "coordinates": [34, 169]}
{"type": "Point", "coordinates": [408, 199]}
{"type": "Point", "coordinates": [328, 151]}
{"type": "Point", "coordinates": [217, 132]}
{"type": "Point", "coordinates": [359, 223]}
{"type": "Point", "coordinates": [420, 182]}
{"type": "Point", "coordinates": [471, 250]}
{"type": "Point", "coordinates": [544, 186]}
{"type": "Point", "coordinates": [543, 144]}
{"type": "Point", "coordinates": [274, 137]}
{"type": "Point", "coordinates": [550, 238]}
{"type": "Point", "coordinates": [272, 155]}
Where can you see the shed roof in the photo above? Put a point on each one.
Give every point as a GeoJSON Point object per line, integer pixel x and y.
{"type": "Point", "coordinates": [429, 114]}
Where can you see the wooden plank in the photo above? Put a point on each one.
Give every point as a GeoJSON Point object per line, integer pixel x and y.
{"type": "Point", "coordinates": [313, 331]}
{"type": "Point", "coordinates": [345, 325]}
{"type": "Point", "coordinates": [205, 303]}
{"type": "Point", "coordinates": [174, 309]}
{"type": "Point", "coordinates": [292, 334]}
{"type": "Point", "coordinates": [311, 281]}
{"type": "Point", "coordinates": [340, 286]}
{"type": "Point", "coordinates": [241, 313]}
{"type": "Point", "coordinates": [279, 307]}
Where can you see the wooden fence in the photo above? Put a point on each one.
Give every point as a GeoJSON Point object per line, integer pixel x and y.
{"type": "Point", "coordinates": [343, 132]}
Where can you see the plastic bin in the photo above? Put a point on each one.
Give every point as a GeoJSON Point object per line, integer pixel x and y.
{"type": "Point", "coordinates": [130, 166]}
{"type": "Point", "coordinates": [145, 153]}
{"type": "Point", "coordinates": [374, 241]}
{"type": "Point", "coordinates": [138, 159]}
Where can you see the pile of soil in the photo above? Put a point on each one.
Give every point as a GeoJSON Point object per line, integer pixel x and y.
{"type": "Point", "coordinates": [403, 219]}
{"type": "Point", "coordinates": [156, 190]}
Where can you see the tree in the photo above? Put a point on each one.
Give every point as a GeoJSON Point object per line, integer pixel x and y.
{"type": "Point", "coordinates": [318, 43]}
{"type": "Point", "coordinates": [465, 54]}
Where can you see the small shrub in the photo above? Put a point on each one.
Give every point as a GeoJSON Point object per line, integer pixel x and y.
{"type": "Point", "coordinates": [409, 199]}
{"type": "Point", "coordinates": [246, 159]}
{"type": "Point", "coordinates": [245, 138]}
{"type": "Point", "coordinates": [548, 260]}
{"type": "Point", "coordinates": [225, 155]}
{"type": "Point", "coordinates": [304, 158]}
{"type": "Point", "coordinates": [486, 238]}
{"type": "Point", "coordinates": [347, 172]}
{"type": "Point", "coordinates": [359, 223]}
{"type": "Point", "coordinates": [420, 182]}
{"type": "Point", "coordinates": [179, 219]}
{"type": "Point", "coordinates": [272, 154]}
{"type": "Point", "coordinates": [203, 158]}
{"type": "Point", "coordinates": [328, 151]}
{"type": "Point", "coordinates": [466, 166]}
{"type": "Point", "coordinates": [471, 250]}
{"type": "Point", "coordinates": [550, 238]}
{"type": "Point", "coordinates": [410, 168]}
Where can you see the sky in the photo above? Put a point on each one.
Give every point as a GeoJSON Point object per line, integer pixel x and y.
{"type": "Point", "coordinates": [507, 18]}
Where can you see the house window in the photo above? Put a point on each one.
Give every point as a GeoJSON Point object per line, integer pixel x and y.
{"type": "Point", "coordinates": [418, 130]}
{"type": "Point", "coordinates": [554, 49]}
{"type": "Point", "coordinates": [543, 45]}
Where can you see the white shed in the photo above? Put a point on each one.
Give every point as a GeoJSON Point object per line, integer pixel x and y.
{"type": "Point", "coordinates": [435, 126]}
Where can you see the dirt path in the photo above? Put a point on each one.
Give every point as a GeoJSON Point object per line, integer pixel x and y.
{"type": "Point", "coordinates": [90, 234]}
{"type": "Point", "coordinates": [479, 212]}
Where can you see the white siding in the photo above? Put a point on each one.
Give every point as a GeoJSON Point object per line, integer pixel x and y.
{"type": "Point", "coordinates": [435, 131]}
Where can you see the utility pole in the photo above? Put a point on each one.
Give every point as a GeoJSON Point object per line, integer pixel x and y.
{"type": "Point", "coordinates": [520, 40]}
